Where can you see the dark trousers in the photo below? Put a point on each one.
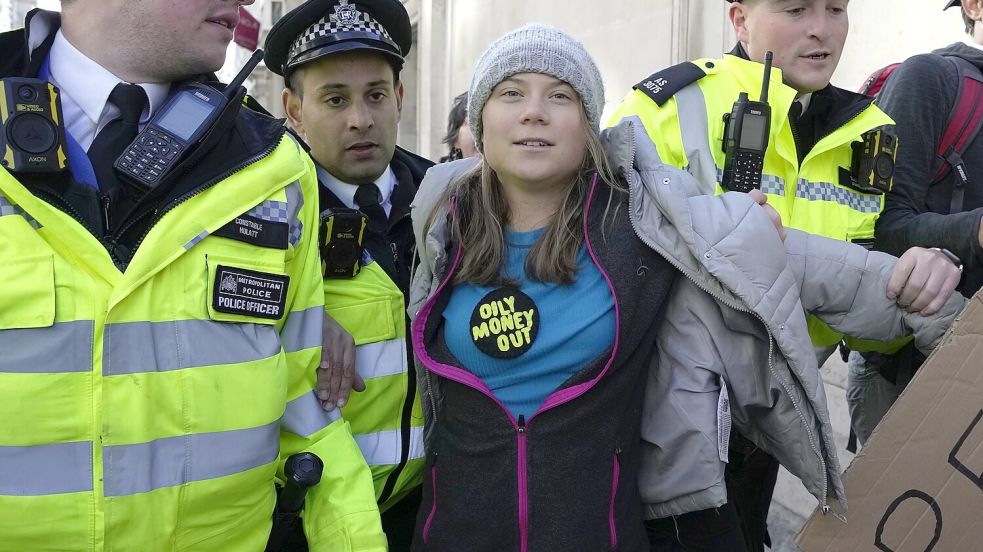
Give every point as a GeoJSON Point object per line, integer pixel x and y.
{"type": "Point", "coordinates": [751, 475]}
{"type": "Point", "coordinates": [399, 521]}
{"type": "Point", "coordinates": [713, 530]}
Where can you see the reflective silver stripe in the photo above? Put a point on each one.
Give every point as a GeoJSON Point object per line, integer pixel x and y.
{"type": "Point", "coordinates": [305, 417]}
{"type": "Point", "coordinates": [385, 358]}
{"type": "Point", "coordinates": [691, 111]}
{"type": "Point", "coordinates": [172, 461]}
{"type": "Point", "coordinates": [770, 184]}
{"type": "Point", "coordinates": [197, 239]}
{"type": "Point", "coordinates": [46, 469]}
{"type": "Point", "coordinates": [61, 348]}
{"type": "Point", "coordinates": [825, 191]}
{"type": "Point", "coordinates": [302, 330]}
{"type": "Point", "coordinates": [9, 209]}
{"type": "Point", "coordinates": [295, 201]}
{"type": "Point", "coordinates": [385, 447]}
{"type": "Point", "coordinates": [142, 347]}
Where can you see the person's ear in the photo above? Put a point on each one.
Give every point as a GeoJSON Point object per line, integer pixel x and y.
{"type": "Point", "coordinates": [293, 104]}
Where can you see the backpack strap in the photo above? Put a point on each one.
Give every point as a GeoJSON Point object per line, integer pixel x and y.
{"type": "Point", "coordinates": [876, 80]}
{"type": "Point", "coordinates": [965, 122]}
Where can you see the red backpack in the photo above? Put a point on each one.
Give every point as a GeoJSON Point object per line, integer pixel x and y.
{"type": "Point", "coordinates": [964, 123]}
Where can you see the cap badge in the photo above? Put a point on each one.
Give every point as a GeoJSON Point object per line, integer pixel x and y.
{"type": "Point", "coordinates": [346, 14]}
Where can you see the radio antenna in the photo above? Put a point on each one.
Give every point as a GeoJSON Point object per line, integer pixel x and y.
{"type": "Point", "coordinates": [767, 81]}
{"type": "Point", "coordinates": [233, 88]}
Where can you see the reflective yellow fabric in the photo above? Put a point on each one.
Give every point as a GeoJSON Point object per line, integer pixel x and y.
{"type": "Point", "coordinates": [688, 132]}
{"type": "Point", "coordinates": [370, 307]}
{"type": "Point", "coordinates": [125, 426]}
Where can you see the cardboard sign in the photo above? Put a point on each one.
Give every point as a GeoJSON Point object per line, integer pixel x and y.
{"type": "Point", "coordinates": [918, 484]}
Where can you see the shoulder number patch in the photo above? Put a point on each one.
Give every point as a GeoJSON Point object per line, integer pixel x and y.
{"type": "Point", "coordinates": [249, 293]}
{"type": "Point", "coordinates": [663, 85]}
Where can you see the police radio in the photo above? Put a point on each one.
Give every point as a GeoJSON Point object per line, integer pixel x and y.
{"type": "Point", "coordinates": [872, 167]}
{"type": "Point", "coordinates": [33, 137]}
{"type": "Point", "coordinates": [341, 234]}
{"type": "Point", "coordinates": [177, 128]}
{"type": "Point", "coordinates": [746, 131]}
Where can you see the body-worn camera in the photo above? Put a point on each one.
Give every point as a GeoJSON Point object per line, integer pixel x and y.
{"type": "Point", "coordinates": [341, 234]}
{"type": "Point", "coordinates": [33, 137]}
{"type": "Point", "coordinates": [872, 168]}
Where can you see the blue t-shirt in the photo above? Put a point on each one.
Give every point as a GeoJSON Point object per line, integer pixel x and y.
{"type": "Point", "coordinates": [525, 341]}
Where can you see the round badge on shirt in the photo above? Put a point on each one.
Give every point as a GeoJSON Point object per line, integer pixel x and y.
{"type": "Point", "coordinates": [504, 323]}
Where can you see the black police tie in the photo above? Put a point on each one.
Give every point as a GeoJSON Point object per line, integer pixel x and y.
{"type": "Point", "coordinates": [795, 111]}
{"type": "Point", "coordinates": [131, 100]}
{"type": "Point", "coordinates": [368, 197]}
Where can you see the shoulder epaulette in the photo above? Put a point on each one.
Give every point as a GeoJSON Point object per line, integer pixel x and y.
{"type": "Point", "coordinates": [664, 84]}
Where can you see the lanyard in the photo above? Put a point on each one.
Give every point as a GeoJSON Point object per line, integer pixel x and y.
{"type": "Point", "coordinates": [78, 160]}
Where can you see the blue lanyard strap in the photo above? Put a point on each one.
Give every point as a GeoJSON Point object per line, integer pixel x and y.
{"type": "Point", "coordinates": [78, 160]}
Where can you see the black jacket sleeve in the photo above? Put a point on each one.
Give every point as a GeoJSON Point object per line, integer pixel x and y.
{"type": "Point", "coordinates": [919, 96]}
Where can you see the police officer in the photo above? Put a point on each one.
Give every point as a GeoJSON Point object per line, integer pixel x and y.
{"type": "Point", "coordinates": [925, 207]}
{"type": "Point", "coordinates": [806, 179]}
{"type": "Point", "coordinates": [341, 61]}
{"type": "Point", "coordinates": [159, 342]}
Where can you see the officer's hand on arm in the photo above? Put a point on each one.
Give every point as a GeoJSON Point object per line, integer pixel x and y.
{"type": "Point", "coordinates": [776, 219]}
{"type": "Point", "coordinates": [922, 280]}
{"type": "Point", "coordinates": [336, 376]}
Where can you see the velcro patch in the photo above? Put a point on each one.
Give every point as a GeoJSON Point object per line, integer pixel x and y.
{"type": "Point", "coordinates": [249, 293]}
{"type": "Point", "coordinates": [505, 322]}
{"type": "Point", "coordinates": [255, 231]}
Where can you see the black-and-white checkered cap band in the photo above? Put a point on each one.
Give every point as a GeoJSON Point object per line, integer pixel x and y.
{"type": "Point", "coordinates": [326, 27]}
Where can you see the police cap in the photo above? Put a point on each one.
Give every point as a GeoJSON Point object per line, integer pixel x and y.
{"type": "Point", "coordinates": [318, 28]}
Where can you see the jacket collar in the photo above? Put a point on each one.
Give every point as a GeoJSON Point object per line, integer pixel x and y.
{"type": "Point", "coordinates": [840, 106]}
{"type": "Point", "coordinates": [25, 49]}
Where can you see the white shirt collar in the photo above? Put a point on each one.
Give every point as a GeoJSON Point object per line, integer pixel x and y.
{"type": "Point", "coordinates": [346, 192]}
{"type": "Point", "coordinates": [85, 87]}
{"type": "Point", "coordinates": [804, 99]}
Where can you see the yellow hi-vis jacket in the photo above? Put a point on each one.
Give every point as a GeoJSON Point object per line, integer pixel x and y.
{"type": "Point", "coordinates": [370, 307]}
{"type": "Point", "coordinates": [140, 410]}
{"type": "Point", "coordinates": [688, 131]}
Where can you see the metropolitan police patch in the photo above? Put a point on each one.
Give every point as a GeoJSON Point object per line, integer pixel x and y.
{"type": "Point", "coordinates": [249, 293]}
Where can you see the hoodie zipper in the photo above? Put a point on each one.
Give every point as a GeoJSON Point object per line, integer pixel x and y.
{"type": "Point", "coordinates": [736, 306]}
{"type": "Point", "coordinates": [520, 426]}
{"type": "Point", "coordinates": [523, 484]}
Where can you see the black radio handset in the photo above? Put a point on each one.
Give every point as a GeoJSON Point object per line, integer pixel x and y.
{"type": "Point", "coordinates": [746, 131]}
{"type": "Point", "coordinates": [177, 128]}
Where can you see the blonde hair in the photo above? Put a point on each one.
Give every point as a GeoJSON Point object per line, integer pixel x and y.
{"type": "Point", "coordinates": [483, 213]}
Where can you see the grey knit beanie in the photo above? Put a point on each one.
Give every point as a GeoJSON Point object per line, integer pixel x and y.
{"type": "Point", "coordinates": [535, 48]}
